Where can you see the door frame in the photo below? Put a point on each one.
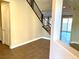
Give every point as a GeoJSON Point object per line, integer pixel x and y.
{"type": "Point", "coordinates": [3, 40]}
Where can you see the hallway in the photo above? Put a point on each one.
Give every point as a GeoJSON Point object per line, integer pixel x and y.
{"type": "Point", "coordinates": [36, 50]}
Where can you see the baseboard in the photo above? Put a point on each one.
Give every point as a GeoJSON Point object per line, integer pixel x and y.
{"type": "Point", "coordinates": [45, 38]}
{"type": "Point", "coordinates": [15, 46]}
{"type": "Point", "coordinates": [75, 42]}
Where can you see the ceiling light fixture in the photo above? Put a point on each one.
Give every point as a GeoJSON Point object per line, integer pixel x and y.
{"type": "Point", "coordinates": [64, 6]}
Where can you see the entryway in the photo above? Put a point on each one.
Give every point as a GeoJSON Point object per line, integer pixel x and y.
{"type": "Point", "coordinates": [5, 22]}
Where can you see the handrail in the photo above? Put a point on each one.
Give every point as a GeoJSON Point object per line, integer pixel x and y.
{"type": "Point", "coordinates": [37, 11]}
{"type": "Point", "coordinates": [37, 7]}
{"type": "Point", "coordinates": [39, 14]}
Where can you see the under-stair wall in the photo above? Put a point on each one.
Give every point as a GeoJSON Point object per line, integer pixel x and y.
{"type": "Point", "coordinates": [24, 24]}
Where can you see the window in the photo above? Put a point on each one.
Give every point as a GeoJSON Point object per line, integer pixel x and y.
{"type": "Point", "coordinates": [66, 30]}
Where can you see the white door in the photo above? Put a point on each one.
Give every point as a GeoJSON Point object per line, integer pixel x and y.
{"type": "Point", "coordinates": [5, 22]}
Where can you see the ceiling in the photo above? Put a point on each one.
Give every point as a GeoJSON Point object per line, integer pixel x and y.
{"type": "Point", "coordinates": [67, 9]}
{"type": "Point", "coordinates": [68, 6]}
{"type": "Point", "coordinates": [74, 2]}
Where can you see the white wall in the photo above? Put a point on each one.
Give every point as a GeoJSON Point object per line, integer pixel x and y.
{"type": "Point", "coordinates": [63, 52]}
{"type": "Point", "coordinates": [58, 50]}
{"type": "Point", "coordinates": [46, 34]}
{"type": "Point", "coordinates": [25, 25]}
{"type": "Point", "coordinates": [56, 24]}
{"type": "Point", "coordinates": [75, 26]}
{"type": "Point", "coordinates": [57, 19]}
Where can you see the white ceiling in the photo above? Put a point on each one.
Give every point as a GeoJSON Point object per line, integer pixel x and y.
{"type": "Point", "coordinates": [71, 5]}
{"type": "Point", "coordinates": [68, 9]}
{"type": "Point", "coordinates": [46, 6]}
{"type": "Point", "coordinates": [74, 4]}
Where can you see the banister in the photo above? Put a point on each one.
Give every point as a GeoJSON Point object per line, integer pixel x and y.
{"type": "Point", "coordinates": [40, 15]}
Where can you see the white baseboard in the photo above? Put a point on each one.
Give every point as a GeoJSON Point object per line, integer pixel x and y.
{"type": "Point", "coordinates": [75, 42]}
{"type": "Point", "coordinates": [45, 38]}
{"type": "Point", "coordinates": [18, 45]}
{"type": "Point", "coordinates": [15, 46]}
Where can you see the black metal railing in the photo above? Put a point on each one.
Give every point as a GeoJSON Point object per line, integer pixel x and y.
{"type": "Point", "coordinates": [47, 24]}
{"type": "Point", "coordinates": [45, 20]}
{"type": "Point", "coordinates": [36, 9]}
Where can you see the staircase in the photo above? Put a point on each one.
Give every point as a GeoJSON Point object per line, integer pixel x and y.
{"type": "Point", "coordinates": [44, 20]}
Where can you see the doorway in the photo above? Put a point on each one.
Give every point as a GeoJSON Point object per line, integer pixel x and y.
{"type": "Point", "coordinates": [5, 23]}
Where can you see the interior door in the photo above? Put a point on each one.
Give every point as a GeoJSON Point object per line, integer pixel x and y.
{"type": "Point", "coordinates": [5, 11]}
